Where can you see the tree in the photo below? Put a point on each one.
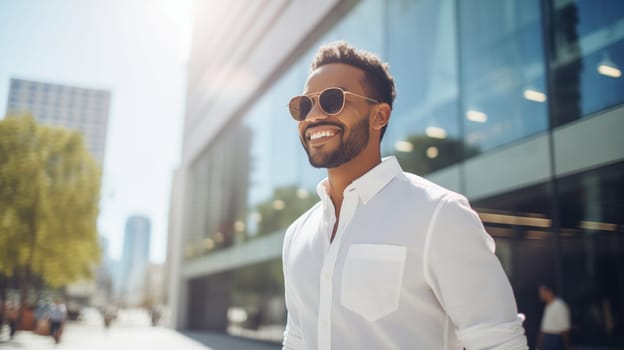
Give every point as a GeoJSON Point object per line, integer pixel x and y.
{"type": "Point", "coordinates": [447, 152]}
{"type": "Point", "coordinates": [278, 216]}
{"type": "Point", "coordinates": [49, 193]}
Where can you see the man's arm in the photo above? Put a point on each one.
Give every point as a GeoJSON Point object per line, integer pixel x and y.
{"type": "Point", "coordinates": [468, 280]}
{"type": "Point", "coordinates": [292, 334]}
{"type": "Point", "coordinates": [565, 335]}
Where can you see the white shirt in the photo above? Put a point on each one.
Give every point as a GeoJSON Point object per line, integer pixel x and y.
{"type": "Point", "coordinates": [57, 312]}
{"type": "Point", "coordinates": [411, 267]}
{"type": "Point", "coordinates": [556, 319]}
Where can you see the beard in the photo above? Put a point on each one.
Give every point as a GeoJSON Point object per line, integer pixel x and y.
{"type": "Point", "coordinates": [350, 146]}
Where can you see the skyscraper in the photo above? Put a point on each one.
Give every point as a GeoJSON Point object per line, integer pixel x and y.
{"type": "Point", "coordinates": [85, 110]}
{"type": "Point", "coordinates": [134, 261]}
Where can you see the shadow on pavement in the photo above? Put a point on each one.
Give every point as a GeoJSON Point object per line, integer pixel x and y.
{"type": "Point", "coordinates": [228, 342]}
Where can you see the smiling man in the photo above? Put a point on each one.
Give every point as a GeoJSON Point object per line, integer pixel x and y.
{"type": "Point", "coordinates": [386, 259]}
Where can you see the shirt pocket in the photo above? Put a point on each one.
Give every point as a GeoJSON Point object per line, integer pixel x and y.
{"type": "Point", "coordinates": [372, 277]}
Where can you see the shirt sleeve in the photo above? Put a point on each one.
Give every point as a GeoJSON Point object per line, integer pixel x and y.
{"type": "Point", "coordinates": [468, 280]}
{"type": "Point", "coordinates": [292, 334]}
{"type": "Point", "coordinates": [564, 317]}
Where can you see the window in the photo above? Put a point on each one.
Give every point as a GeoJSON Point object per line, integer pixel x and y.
{"type": "Point", "coordinates": [521, 222]}
{"type": "Point", "coordinates": [502, 72]}
{"type": "Point", "coordinates": [586, 57]}
{"type": "Point", "coordinates": [592, 248]}
{"type": "Point", "coordinates": [424, 131]}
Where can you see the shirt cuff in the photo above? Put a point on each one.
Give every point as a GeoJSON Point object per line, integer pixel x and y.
{"type": "Point", "coordinates": [500, 336]}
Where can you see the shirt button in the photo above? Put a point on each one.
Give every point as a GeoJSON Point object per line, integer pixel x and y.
{"type": "Point", "coordinates": [324, 324]}
{"type": "Point", "coordinates": [327, 276]}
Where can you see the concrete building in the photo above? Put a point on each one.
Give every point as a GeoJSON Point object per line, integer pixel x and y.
{"type": "Point", "coordinates": [132, 285]}
{"type": "Point", "coordinates": [82, 109]}
{"type": "Point", "coordinates": [516, 104]}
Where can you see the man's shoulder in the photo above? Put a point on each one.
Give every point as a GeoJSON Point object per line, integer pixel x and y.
{"type": "Point", "coordinates": [313, 211]}
{"type": "Point", "coordinates": [560, 304]}
{"type": "Point", "coordinates": [296, 226]}
{"type": "Point", "coordinates": [421, 187]}
{"type": "Point", "coordinates": [316, 208]}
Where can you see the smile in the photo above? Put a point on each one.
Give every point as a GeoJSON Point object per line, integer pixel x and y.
{"type": "Point", "coordinates": [319, 134]}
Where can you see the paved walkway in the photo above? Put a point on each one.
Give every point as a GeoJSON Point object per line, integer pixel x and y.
{"type": "Point", "coordinates": [225, 342]}
{"type": "Point", "coordinates": [131, 332]}
{"type": "Point", "coordinates": [81, 337]}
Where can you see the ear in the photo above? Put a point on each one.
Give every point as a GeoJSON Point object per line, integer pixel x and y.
{"type": "Point", "coordinates": [380, 116]}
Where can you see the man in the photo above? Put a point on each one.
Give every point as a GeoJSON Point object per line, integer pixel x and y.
{"type": "Point", "coordinates": [57, 315]}
{"type": "Point", "coordinates": [386, 259]}
{"type": "Point", "coordinates": [555, 327]}
{"type": "Point", "coordinates": [12, 315]}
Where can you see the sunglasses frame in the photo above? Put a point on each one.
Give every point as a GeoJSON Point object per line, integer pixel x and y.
{"type": "Point", "coordinates": [318, 94]}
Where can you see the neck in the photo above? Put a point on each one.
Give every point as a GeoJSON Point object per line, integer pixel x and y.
{"type": "Point", "coordinates": [342, 176]}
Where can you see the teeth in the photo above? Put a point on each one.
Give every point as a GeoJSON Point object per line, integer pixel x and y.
{"type": "Point", "coordinates": [319, 134]}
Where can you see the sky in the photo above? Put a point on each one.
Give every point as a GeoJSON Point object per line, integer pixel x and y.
{"type": "Point", "coordinates": [138, 50]}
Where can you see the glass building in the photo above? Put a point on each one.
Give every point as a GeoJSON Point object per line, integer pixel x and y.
{"type": "Point", "coordinates": [517, 104]}
{"type": "Point", "coordinates": [82, 109]}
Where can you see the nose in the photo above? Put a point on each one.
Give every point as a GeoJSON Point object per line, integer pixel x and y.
{"type": "Point", "coordinates": [316, 113]}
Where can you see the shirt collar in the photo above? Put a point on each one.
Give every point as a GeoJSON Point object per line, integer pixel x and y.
{"type": "Point", "coordinates": [369, 184]}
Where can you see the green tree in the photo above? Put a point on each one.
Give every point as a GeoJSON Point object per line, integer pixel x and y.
{"type": "Point", "coordinates": [276, 217]}
{"type": "Point", "coordinates": [49, 193]}
{"type": "Point", "coordinates": [447, 152]}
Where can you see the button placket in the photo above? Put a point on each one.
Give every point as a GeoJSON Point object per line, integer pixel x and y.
{"type": "Point", "coordinates": [327, 271]}
{"type": "Point", "coordinates": [325, 302]}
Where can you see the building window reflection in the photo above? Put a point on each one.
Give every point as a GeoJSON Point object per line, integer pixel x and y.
{"type": "Point", "coordinates": [592, 249]}
{"type": "Point", "coordinates": [586, 57]}
{"type": "Point", "coordinates": [502, 72]}
{"type": "Point", "coordinates": [424, 131]}
{"type": "Point", "coordinates": [217, 193]}
{"type": "Point", "coordinates": [521, 224]}
{"type": "Point", "coordinates": [258, 300]}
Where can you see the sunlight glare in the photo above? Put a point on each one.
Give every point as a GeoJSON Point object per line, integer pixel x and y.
{"type": "Point", "coordinates": [179, 14]}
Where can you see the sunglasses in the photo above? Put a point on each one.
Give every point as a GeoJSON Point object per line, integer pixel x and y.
{"type": "Point", "coordinates": [331, 101]}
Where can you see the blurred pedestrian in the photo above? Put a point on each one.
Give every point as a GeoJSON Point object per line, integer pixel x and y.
{"type": "Point", "coordinates": [12, 316]}
{"type": "Point", "coordinates": [387, 259]}
{"type": "Point", "coordinates": [57, 314]}
{"type": "Point", "coordinates": [109, 315]}
{"type": "Point", "coordinates": [555, 328]}
{"type": "Point", "coordinates": [2, 315]}
{"type": "Point", "coordinates": [155, 315]}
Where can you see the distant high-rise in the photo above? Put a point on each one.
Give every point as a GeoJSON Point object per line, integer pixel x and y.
{"type": "Point", "coordinates": [85, 110]}
{"type": "Point", "coordinates": [135, 261]}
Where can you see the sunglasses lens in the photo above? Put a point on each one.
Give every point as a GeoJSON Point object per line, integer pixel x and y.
{"type": "Point", "coordinates": [332, 101]}
{"type": "Point", "coordinates": [299, 107]}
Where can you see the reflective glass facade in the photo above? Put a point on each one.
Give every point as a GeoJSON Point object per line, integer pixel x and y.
{"type": "Point", "coordinates": [503, 81]}
{"type": "Point", "coordinates": [473, 77]}
{"type": "Point", "coordinates": [586, 41]}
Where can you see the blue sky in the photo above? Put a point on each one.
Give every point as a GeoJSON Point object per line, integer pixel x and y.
{"type": "Point", "coordinates": [138, 50]}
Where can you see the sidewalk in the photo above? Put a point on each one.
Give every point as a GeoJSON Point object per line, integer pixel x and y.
{"type": "Point", "coordinates": [127, 335]}
{"type": "Point", "coordinates": [80, 337]}
{"type": "Point", "coordinates": [225, 342]}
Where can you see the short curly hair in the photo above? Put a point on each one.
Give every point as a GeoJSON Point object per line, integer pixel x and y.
{"type": "Point", "coordinates": [378, 81]}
